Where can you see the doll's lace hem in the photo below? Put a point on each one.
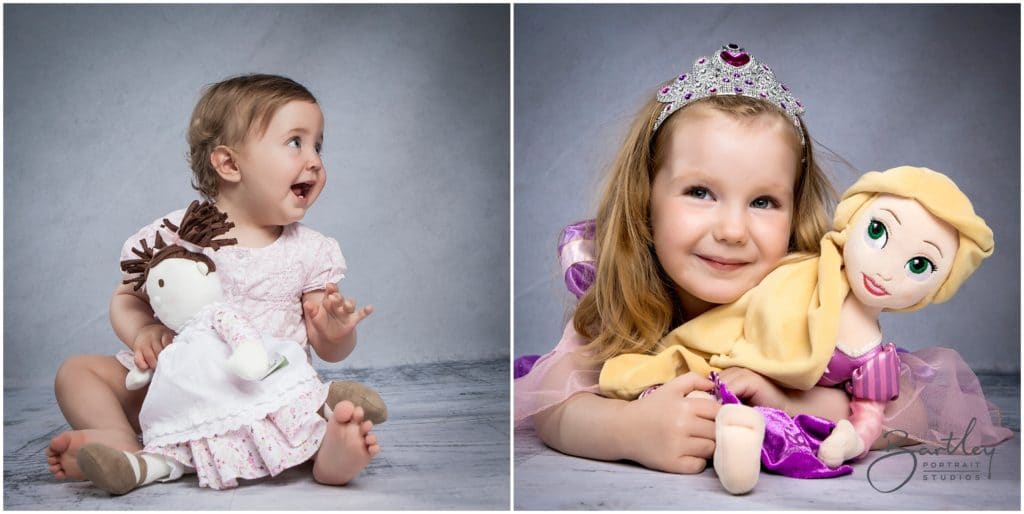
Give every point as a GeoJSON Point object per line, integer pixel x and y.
{"type": "Point", "coordinates": [209, 423]}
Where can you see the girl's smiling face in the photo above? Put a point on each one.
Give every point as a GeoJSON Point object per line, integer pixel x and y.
{"type": "Point", "coordinates": [722, 204]}
{"type": "Point", "coordinates": [281, 170]}
{"type": "Point", "coordinates": [897, 253]}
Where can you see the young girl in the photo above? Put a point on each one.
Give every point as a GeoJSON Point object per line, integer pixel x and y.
{"type": "Point", "coordinates": [716, 183]}
{"type": "Point", "coordinates": [255, 151]}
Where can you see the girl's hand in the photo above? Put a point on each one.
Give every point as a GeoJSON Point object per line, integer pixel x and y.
{"type": "Point", "coordinates": [149, 342]}
{"type": "Point", "coordinates": [754, 389]}
{"type": "Point", "coordinates": [674, 433]}
{"type": "Point", "coordinates": [335, 317]}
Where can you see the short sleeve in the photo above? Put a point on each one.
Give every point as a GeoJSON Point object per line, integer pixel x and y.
{"type": "Point", "coordinates": [148, 233]}
{"type": "Point", "coordinates": [326, 264]}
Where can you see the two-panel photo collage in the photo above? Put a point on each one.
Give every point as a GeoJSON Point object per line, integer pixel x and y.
{"type": "Point", "coordinates": [511, 257]}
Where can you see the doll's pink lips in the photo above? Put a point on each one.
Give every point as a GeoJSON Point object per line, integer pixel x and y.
{"type": "Point", "coordinates": [874, 287]}
{"type": "Point", "coordinates": [719, 263]}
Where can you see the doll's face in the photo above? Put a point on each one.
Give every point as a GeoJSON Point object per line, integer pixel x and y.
{"type": "Point", "coordinates": [898, 253]}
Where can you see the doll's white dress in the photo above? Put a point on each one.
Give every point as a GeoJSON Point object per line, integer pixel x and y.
{"type": "Point", "coordinates": [266, 284]}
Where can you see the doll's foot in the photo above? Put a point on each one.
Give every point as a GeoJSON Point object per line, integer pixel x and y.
{"type": "Point", "coordinates": [62, 454]}
{"type": "Point", "coordinates": [841, 445]}
{"type": "Point", "coordinates": [360, 395]}
{"type": "Point", "coordinates": [347, 448]}
{"type": "Point", "coordinates": [739, 433]}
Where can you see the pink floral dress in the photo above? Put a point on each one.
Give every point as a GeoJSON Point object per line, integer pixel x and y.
{"type": "Point", "coordinates": [255, 437]}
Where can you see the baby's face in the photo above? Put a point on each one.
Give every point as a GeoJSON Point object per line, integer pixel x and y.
{"type": "Point", "coordinates": [282, 172]}
{"type": "Point", "coordinates": [722, 204]}
{"type": "Point", "coordinates": [898, 253]}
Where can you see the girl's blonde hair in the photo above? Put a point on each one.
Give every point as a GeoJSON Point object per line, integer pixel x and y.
{"type": "Point", "coordinates": [228, 112]}
{"type": "Point", "coordinates": [631, 303]}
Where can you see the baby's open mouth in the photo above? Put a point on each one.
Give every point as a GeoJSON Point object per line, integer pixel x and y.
{"type": "Point", "coordinates": [302, 189]}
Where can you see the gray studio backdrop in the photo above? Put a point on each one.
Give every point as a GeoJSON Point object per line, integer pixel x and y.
{"type": "Point", "coordinates": [935, 86]}
{"type": "Point", "coordinates": [416, 100]}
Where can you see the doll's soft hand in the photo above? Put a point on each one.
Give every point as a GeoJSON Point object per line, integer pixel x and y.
{"type": "Point", "coordinates": [335, 317]}
{"type": "Point", "coordinates": [674, 433]}
{"type": "Point", "coordinates": [754, 389]}
{"type": "Point", "coordinates": [149, 342]}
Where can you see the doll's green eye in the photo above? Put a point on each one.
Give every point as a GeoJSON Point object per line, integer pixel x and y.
{"type": "Point", "coordinates": [877, 234]}
{"type": "Point", "coordinates": [919, 268]}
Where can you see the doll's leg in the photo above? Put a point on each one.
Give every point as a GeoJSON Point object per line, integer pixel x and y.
{"type": "Point", "coordinates": [853, 438]}
{"type": "Point", "coordinates": [739, 434]}
{"type": "Point", "coordinates": [117, 471]}
{"type": "Point", "coordinates": [91, 393]}
{"type": "Point", "coordinates": [347, 448]}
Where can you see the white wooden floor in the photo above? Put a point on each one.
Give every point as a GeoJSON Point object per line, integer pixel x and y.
{"type": "Point", "coordinates": [548, 480]}
{"type": "Point", "coordinates": [445, 446]}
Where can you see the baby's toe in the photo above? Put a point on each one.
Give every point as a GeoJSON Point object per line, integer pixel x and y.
{"type": "Point", "coordinates": [365, 427]}
{"type": "Point", "coordinates": [344, 411]}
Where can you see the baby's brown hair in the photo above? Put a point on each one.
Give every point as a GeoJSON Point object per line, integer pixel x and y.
{"type": "Point", "coordinates": [228, 112]}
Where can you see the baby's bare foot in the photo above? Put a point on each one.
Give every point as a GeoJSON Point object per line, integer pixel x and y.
{"type": "Point", "coordinates": [347, 448]}
{"type": "Point", "coordinates": [62, 454]}
{"type": "Point", "coordinates": [841, 445]}
{"type": "Point", "coordinates": [739, 433]}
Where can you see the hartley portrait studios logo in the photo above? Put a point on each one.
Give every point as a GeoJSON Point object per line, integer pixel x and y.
{"type": "Point", "coordinates": [954, 462]}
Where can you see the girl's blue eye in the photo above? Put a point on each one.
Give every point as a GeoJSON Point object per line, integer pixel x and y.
{"type": "Point", "coordinates": [319, 147]}
{"type": "Point", "coordinates": [764, 203]}
{"type": "Point", "coordinates": [877, 235]}
{"type": "Point", "coordinates": [294, 142]}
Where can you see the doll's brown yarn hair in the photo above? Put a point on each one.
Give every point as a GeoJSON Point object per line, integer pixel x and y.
{"type": "Point", "coordinates": [200, 225]}
{"type": "Point", "coordinates": [228, 112]}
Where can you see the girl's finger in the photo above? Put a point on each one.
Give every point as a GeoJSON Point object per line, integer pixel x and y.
{"type": "Point", "coordinates": [685, 464]}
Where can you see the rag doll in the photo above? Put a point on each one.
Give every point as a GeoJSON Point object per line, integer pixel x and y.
{"type": "Point", "coordinates": [180, 288]}
{"type": "Point", "coordinates": [901, 239]}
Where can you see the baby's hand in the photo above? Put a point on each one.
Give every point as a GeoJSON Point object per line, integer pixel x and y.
{"type": "Point", "coordinates": [149, 342]}
{"type": "Point", "coordinates": [754, 389]}
{"type": "Point", "coordinates": [675, 433]}
{"type": "Point", "coordinates": [336, 317]}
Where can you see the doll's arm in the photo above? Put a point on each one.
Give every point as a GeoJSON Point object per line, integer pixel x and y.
{"type": "Point", "coordinates": [866, 417]}
{"type": "Point", "coordinates": [249, 359]}
{"type": "Point", "coordinates": [233, 327]}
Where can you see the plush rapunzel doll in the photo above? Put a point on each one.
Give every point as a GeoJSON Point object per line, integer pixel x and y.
{"type": "Point", "coordinates": [902, 239]}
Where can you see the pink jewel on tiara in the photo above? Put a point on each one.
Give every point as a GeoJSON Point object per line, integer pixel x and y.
{"type": "Point", "coordinates": [729, 64]}
{"type": "Point", "coordinates": [733, 55]}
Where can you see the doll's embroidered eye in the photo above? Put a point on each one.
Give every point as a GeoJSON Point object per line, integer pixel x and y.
{"type": "Point", "coordinates": [160, 282]}
{"type": "Point", "coordinates": [919, 268]}
{"type": "Point", "coordinates": [877, 235]}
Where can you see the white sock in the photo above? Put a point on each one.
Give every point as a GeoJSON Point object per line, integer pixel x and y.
{"type": "Point", "coordinates": [157, 467]}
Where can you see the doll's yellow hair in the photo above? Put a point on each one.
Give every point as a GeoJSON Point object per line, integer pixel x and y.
{"type": "Point", "coordinates": [942, 198]}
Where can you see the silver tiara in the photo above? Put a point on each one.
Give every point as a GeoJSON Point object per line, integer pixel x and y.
{"type": "Point", "coordinates": [730, 71]}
